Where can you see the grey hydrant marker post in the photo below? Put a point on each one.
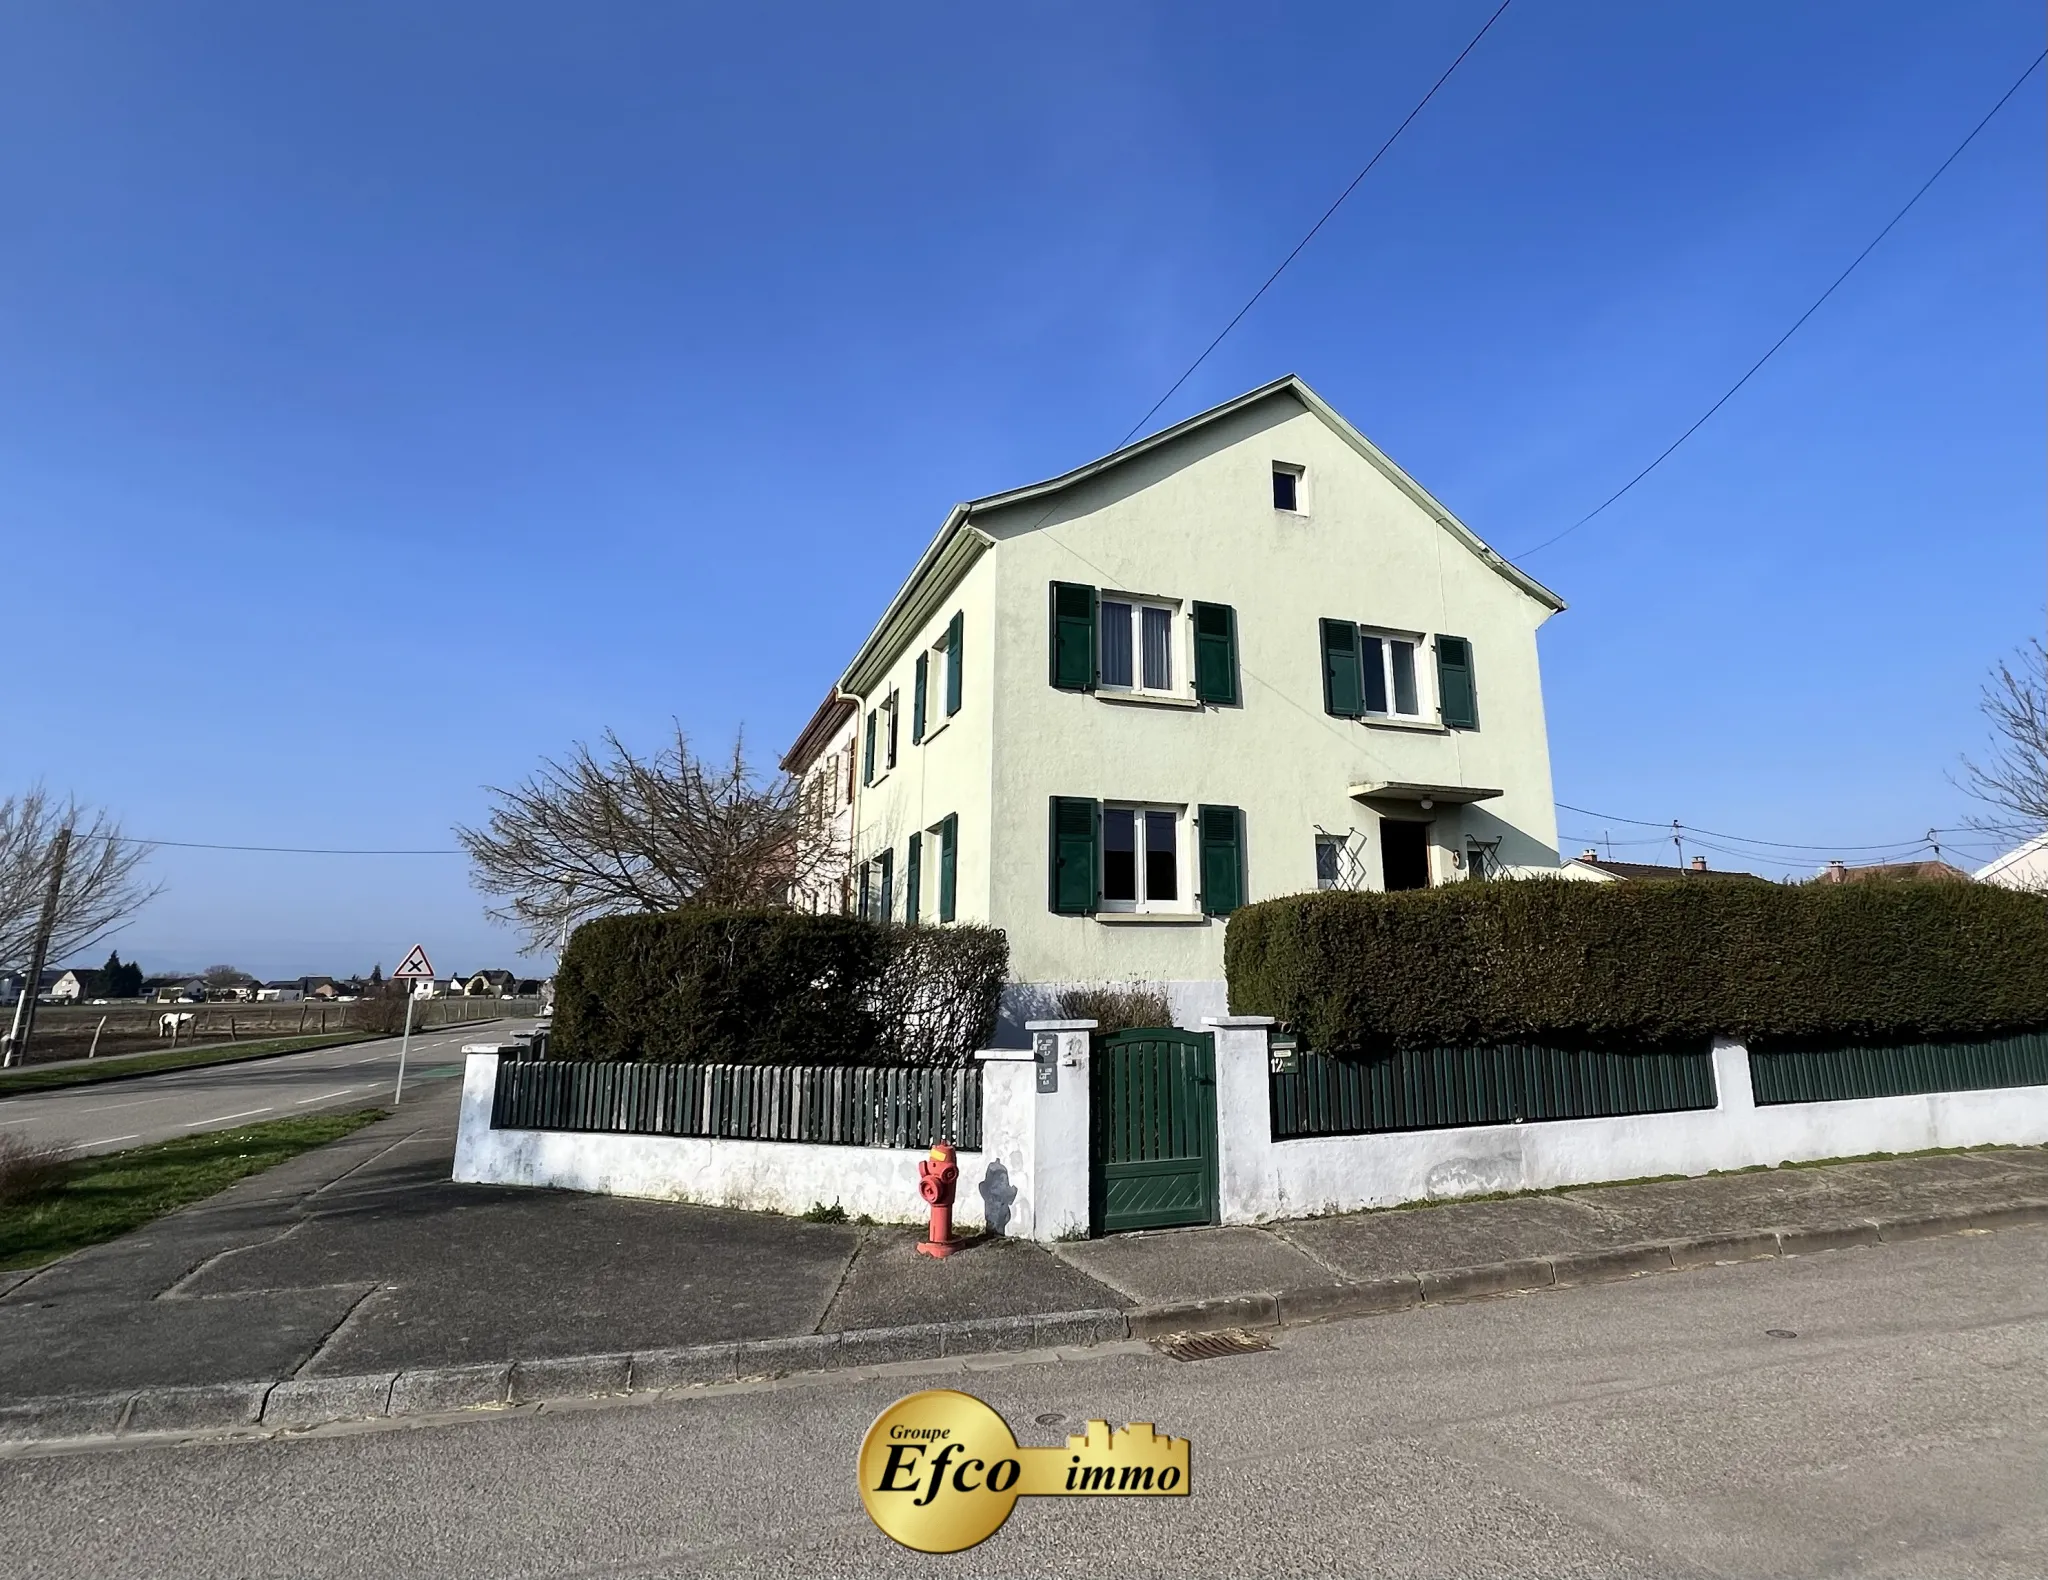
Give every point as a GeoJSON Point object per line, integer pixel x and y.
{"type": "Point", "coordinates": [415, 967]}
{"type": "Point", "coordinates": [404, 1042]}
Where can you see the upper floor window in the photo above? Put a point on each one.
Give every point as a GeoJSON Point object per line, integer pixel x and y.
{"type": "Point", "coordinates": [1287, 487]}
{"type": "Point", "coordinates": [937, 686]}
{"type": "Point", "coordinates": [1137, 645]}
{"type": "Point", "coordinates": [1121, 643]}
{"type": "Point", "coordinates": [1380, 674]}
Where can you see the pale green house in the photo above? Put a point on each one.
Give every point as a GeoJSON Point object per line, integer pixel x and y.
{"type": "Point", "coordinates": [1245, 657]}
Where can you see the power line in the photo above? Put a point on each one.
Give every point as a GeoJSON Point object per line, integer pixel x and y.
{"type": "Point", "coordinates": [1744, 839]}
{"type": "Point", "coordinates": [1801, 319]}
{"type": "Point", "coordinates": [266, 850]}
{"type": "Point", "coordinates": [1392, 138]}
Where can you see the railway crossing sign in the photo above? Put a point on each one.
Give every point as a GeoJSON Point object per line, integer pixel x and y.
{"type": "Point", "coordinates": [415, 966]}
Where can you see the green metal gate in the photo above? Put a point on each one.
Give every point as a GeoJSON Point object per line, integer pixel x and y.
{"type": "Point", "coordinates": [1153, 1099]}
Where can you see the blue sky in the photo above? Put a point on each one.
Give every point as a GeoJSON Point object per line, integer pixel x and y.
{"type": "Point", "coordinates": [392, 394]}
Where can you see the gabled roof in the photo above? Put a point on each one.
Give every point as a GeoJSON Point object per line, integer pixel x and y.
{"type": "Point", "coordinates": [833, 712]}
{"type": "Point", "coordinates": [959, 544]}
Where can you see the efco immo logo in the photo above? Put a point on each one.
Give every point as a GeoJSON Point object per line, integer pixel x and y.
{"type": "Point", "coordinates": [940, 1470]}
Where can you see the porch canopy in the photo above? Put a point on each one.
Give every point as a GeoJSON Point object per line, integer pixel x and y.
{"type": "Point", "coordinates": [1426, 795]}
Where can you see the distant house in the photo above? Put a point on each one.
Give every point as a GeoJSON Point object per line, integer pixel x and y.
{"type": "Point", "coordinates": [490, 984]}
{"type": "Point", "coordinates": [319, 987]}
{"type": "Point", "coordinates": [1589, 865]}
{"type": "Point", "coordinates": [528, 987]}
{"type": "Point", "coordinates": [280, 992]}
{"type": "Point", "coordinates": [75, 986]}
{"type": "Point", "coordinates": [1893, 872]}
{"type": "Point", "coordinates": [2024, 868]}
{"type": "Point", "coordinates": [175, 990]}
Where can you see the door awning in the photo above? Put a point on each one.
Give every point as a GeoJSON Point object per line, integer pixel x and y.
{"type": "Point", "coordinates": [1427, 795]}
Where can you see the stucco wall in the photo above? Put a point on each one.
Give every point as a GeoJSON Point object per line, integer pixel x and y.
{"type": "Point", "coordinates": [1260, 1178]}
{"type": "Point", "coordinates": [762, 1176]}
{"type": "Point", "coordinates": [948, 772]}
{"type": "Point", "coordinates": [1195, 521]}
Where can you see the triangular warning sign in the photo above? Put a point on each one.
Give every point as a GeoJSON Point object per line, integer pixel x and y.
{"type": "Point", "coordinates": [415, 965]}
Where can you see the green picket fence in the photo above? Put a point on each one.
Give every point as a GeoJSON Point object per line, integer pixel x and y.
{"type": "Point", "coordinates": [1445, 1088]}
{"type": "Point", "coordinates": [1792, 1074]}
{"type": "Point", "coordinates": [862, 1106]}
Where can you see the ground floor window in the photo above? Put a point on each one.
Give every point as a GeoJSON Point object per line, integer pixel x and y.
{"type": "Point", "coordinates": [1141, 858]}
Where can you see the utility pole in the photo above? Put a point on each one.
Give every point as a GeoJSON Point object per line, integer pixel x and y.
{"type": "Point", "coordinates": [25, 1006]}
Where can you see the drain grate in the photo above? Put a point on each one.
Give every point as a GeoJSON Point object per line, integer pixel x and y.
{"type": "Point", "coordinates": [1210, 1346]}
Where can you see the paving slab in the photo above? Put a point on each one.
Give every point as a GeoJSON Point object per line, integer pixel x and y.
{"type": "Point", "coordinates": [62, 1348]}
{"type": "Point", "coordinates": [890, 1285]}
{"type": "Point", "coordinates": [1194, 1264]}
{"type": "Point", "coordinates": [1463, 1234]}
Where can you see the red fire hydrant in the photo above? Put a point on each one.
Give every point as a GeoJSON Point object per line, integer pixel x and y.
{"type": "Point", "coordinates": [937, 1178]}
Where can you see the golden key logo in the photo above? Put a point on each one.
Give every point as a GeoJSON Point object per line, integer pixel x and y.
{"type": "Point", "coordinates": [940, 1470]}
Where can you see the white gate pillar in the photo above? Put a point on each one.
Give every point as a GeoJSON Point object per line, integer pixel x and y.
{"type": "Point", "coordinates": [1245, 1176]}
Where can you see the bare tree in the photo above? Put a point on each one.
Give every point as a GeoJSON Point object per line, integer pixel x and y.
{"type": "Point", "coordinates": [101, 888]}
{"type": "Point", "coordinates": [2015, 778]}
{"type": "Point", "coordinates": [590, 835]}
{"type": "Point", "coordinates": [218, 977]}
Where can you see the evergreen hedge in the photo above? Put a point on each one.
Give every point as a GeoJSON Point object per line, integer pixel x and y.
{"type": "Point", "coordinates": [1642, 964]}
{"type": "Point", "coordinates": [762, 987]}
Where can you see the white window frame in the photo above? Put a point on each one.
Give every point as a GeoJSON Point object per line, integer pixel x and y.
{"type": "Point", "coordinates": [1425, 675]}
{"type": "Point", "coordinates": [1179, 651]}
{"type": "Point", "coordinates": [935, 717]}
{"type": "Point", "coordinates": [1184, 901]}
{"type": "Point", "coordinates": [1300, 475]}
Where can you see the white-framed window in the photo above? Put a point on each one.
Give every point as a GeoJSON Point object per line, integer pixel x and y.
{"type": "Point", "coordinates": [891, 719]}
{"type": "Point", "coordinates": [1329, 861]}
{"type": "Point", "coordinates": [1290, 488]}
{"type": "Point", "coordinates": [1143, 866]}
{"type": "Point", "coordinates": [1138, 638]}
{"type": "Point", "coordinates": [1394, 679]}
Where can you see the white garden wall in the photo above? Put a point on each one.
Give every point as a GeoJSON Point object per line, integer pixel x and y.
{"type": "Point", "coordinates": [1030, 1179]}
{"type": "Point", "coordinates": [1260, 1178]}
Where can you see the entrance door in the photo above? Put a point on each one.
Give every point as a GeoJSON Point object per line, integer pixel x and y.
{"type": "Point", "coordinates": [1404, 854]}
{"type": "Point", "coordinates": [1153, 1099]}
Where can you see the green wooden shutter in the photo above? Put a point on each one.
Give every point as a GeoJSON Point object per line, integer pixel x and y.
{"type": "Point", "coordinates": [1222, 835]}
{"type": "Point", "coordinates": [1073, 636]}
{"type": "Point", "coordinates": [917, 698]}
{"type": "Point", "coordinates": [949, 849]}
{"type": "Point", "coordinates": [913, 860]}
{"type": "Point", "coordinates": [867, 756]}
{"type": "Point", "coordinates": [953, 634]}
{"type": "Point", "coordinates": [888, 861]}
{"type": "Point", "coordinates": [1076, 826]}
{"type": "Point", "coordinates": [867, 895]}
{"type": "Point", "coordinates": [1454, 685]}
{"type": "Point", "coordinates": [1343, 693]}
{"type": "Point", "coordinates": [1216, 652]}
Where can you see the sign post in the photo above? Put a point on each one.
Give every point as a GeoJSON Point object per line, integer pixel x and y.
{"type": "Point", "coordinates": [413, 968]}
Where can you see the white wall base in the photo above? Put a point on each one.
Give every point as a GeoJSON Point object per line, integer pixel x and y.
{"type": "Point", "coordinates": [1260, 1178]}
{"type": "Point", "coordinates": [762, 1176]}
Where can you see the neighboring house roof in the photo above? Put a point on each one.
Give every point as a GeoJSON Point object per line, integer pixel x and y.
{"type": "Point", "coordinates": [1894, 872]}
{"type": "Point", "coordinates": [1637, 871]}
{"type": "Point", "coordinates": [2024, 868]}
{"type": "Point", "coordinates": [494, 977]}
{"type": "Point", "coordinates": [832, 714]}
{"type": "Point", "coordinates": [958, 544]}
{"type": "Point", "coordinates": [284, 982]}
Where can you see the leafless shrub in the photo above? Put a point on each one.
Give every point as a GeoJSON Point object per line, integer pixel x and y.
{"type": "Point", "coordinates": [29, 1171]}
{"type": "Point", "coordinates": [1116, 1006]}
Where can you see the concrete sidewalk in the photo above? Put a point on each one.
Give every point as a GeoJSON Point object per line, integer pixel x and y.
{"type": "Point", "coordinates": [358, 1280]}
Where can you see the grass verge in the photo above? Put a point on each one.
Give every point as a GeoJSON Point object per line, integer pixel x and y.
{"type": "Point", "coordinates": [87, 1200]}
{"type": "Point", "coordinates": [118, 1066]}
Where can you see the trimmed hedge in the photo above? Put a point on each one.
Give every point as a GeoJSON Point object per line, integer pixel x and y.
{"type": "Point", "coordinates": [746, 987]}
{"type": "Point", "coordinates": [1652, 963]}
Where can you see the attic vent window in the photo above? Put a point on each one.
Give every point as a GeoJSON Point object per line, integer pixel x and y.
{"type": "Point", "coordinates": [1286, 488]}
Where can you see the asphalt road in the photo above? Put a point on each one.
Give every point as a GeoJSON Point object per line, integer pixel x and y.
{"type": "Point", "coordinates": [1879, 1412]}
{"type": "Point", "coordinates": [131, 1113]}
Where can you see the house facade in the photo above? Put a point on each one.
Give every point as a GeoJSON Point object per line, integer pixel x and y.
{"type": "Point", "coordinates": [825, 764]}
{"type": "Point", "coordinates": [1246, 657]}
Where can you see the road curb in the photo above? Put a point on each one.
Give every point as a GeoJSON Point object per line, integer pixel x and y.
{"type": "Point", "coordinates": [302, 1402]}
